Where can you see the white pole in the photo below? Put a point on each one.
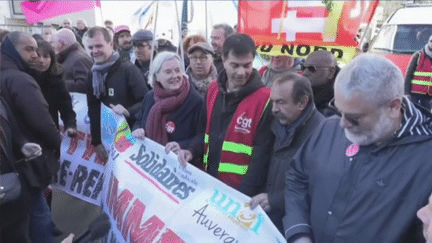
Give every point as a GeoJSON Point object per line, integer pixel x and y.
{"type": "Point", "coordinates": [180, 38]}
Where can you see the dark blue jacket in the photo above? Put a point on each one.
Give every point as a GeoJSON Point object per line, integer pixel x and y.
{"type": "Point", "coordinates": [185, 118]}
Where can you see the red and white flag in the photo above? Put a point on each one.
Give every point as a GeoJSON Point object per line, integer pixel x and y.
{"type": "Point", "coordinates": [312, 25]}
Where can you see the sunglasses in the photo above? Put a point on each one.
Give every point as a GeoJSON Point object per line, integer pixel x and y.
{"type": "Point", "coordinates": [352, 120]}
{"type": "Point", "coordinates": [312, 68]}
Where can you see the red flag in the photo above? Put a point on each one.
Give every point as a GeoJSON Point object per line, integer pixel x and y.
{"type": "Point", "coordinates": [304, 23]}
{"type": "Point", "coordinates": [38, 11]}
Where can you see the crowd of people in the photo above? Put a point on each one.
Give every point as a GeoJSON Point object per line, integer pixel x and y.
{"type": "Point", "coordinates": [330, 154]}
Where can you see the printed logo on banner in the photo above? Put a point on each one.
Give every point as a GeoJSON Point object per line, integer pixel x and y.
{"type": "Point", "coordinates": [123, 138]}
{"type": "Point", "coordinates": [240, 213]}
{"type": "Point", "coordinates": [243, 124]}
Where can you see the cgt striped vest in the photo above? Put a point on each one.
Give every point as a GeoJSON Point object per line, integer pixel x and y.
{"type": "Point", "coordinates": [422, 79]}
{"type": "Point", "coordinates": [238, 144]}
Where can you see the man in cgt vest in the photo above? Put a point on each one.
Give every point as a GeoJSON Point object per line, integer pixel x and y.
{"type": "Point", "coordinates": [234, 128]}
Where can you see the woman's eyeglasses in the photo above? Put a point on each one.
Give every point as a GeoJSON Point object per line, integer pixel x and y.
{"type": "Point", "coordinates": [312, 68]}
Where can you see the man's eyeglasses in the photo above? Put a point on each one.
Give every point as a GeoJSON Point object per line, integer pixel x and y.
{"type": "Point", "coordinates": [196, 58]}
{"type": "Point", "coordinates": [312, 68]}
{"type": "Point", "coordinates": [354, 121]}
{"type": "Point", "coordinates": [140, 45]}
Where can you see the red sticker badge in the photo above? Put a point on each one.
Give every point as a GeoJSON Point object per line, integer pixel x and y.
{"type": "Point", "coordinates": [352, 150]}
{"type": "Point", "coordinates": [170, 127]}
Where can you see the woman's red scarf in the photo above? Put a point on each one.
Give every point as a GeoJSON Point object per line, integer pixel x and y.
{"type": "Point", "coordinates": [165, 103]}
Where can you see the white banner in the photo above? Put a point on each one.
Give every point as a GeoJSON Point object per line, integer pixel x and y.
{"type": "Point", "coordinates": [149, 197]}
{"type": "Point", "coordinates": [81, 171]}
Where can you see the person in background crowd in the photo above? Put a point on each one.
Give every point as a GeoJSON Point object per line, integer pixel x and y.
{"type": "Point", "coordinates": [81, 27]}
{"type": "Point", "coordinates": [374, 152]}
{"type": "Point", "coordinates": [192, 39]}
{"type": "Point", "coordinates": [417, 77]}
{"type": "Point", "coordinates": [67, 23]}
{"type": "Point", "coordinates": [142, 42]}
{"type": "Point", "coordinates": [47, 31]}
{"type": "Point", "coordinates": [14, 214]}
{"type": "Point", "coordinates": [164, 43]}
{"type": "Point", "coordinates": [218, 35]}
{"type": "Point", "coordinates": [188, 42]}
{"type": "Point", "coordinates": [76, 64]}
{"type": "Point", "coordinates": [48, 75]}
{"type": "Point", "coordinates": [296, 119]}
{"type": "Point", "coordinates": [22, 94]}
{"type": "Point", "coordinates": [170, 111]}
{"type": "Point", "coordinates": [279, 66]}
{"type": "Point", "coordinates": [123, 43]}
{"type": "Point", "coordinates": [201, 71]}
{"type": "Point", "coordinates": [425, 215]}
{"type": "Point", "coordinates": [236, 115]}
{"type": "Point", "coordinates": [321, 69]}
{"type": "Point", "coordinates": [109, 24]}
{"type": "Point", "coordinates": [3, 34]}
{"type": "Point", "coordinates": [117, 83]}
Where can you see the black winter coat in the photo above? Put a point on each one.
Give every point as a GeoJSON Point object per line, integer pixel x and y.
{"type": "Point", "coordinates": [57, 96]}
{"type": "Point", "coordinates": [76, 65]}
{"type": "Point", "coordinates": [280, 159]}
{"type": "Point", "coordinates": [11, 138]}
{"type": "Point", "coordinates": [185, 118]}
{"type": "Point", "coordinates": [124, 85]}
{"type": "Point", "coordinates": [337, 194]}
{"type": "Point", "coordinates": [25, 98]}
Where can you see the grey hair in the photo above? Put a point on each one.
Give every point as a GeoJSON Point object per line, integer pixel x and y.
{"type": "Point", "coordinates": [157, 63]}
{"type": "Point", "coordinates": [83, 21]}
{"type": "Point", "coordinates": [374, 77]}
{"type": "Point", "coordinates": [66, 36]}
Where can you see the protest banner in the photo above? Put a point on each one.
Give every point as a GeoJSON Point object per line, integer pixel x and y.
{"type": "Point", "coordinates": [325, 24]}
{"type": "Point", "coordinates": [81, 170]}
{"type": "Point", "coordinates": [150, 197]}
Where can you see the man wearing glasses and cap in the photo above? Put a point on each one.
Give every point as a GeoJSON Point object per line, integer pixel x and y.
{"type": "Point", "coordinates": [201, 70]}
{"type": "Point", "coordinates": [321, 69]}
{"type": "Point", "coordinates": [362, 177]}
{"type": "Point", "coordinates": [142, 42]}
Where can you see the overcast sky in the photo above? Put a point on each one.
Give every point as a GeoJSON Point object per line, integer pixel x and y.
{"type": "Point", "coordinates": [122, 12]}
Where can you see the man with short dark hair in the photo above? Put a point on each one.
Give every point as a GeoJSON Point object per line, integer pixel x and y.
{"type": "Point", "coordinates": [23, 95]}
{"type": "Point", "coordinates": [109, 24]}
{"type": "Point", "coordinates": [234, 127]}
{"type": "Point", "coordinates": [123, 42]}
{"type": "Point", "coordinates": [218, 35]}
{"type": "Point", "coordinates": [114, 81]}
{"type": "Point", "coordinates": [296, 119]}
{"type": "Point", "coordinates": [361, 177]}
{"type": "Point", "coordinates": [321, 69]}
{"type": "Point", "coordinates": [74, 60]}
{"type": "Point", "coordinates": [201, 70]}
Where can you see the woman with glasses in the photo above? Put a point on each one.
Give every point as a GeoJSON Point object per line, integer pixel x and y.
{"type": "Point", "coordinates": [201, 70]}
{"type": "Point", "coordinates": [170, 111]}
